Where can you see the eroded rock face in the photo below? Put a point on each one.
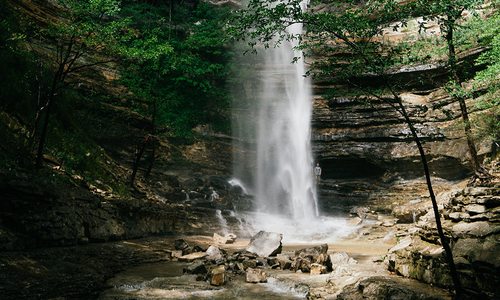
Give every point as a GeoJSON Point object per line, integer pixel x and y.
{"type": "Point", "coordinates": [474, 244]}
{"type": "Point", "coordinates": [366, 151]}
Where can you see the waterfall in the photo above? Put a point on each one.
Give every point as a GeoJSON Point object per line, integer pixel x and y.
{"type": "Point", "coordinates": [284, 181]}
{"type": "Point", "coordinates": [272, 111]}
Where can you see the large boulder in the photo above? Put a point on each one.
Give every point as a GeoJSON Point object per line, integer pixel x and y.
{"type": "Point", "coordinates": [265, 244]}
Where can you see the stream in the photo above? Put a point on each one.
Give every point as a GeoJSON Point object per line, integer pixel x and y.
{"type": "Point", "coordinates": [166, 280]}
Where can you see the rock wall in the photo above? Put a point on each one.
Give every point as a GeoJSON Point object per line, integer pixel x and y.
{"type": "Point", "coordinates": [472, 223]}
{"type": "Point", "coordinates": [366, 149]}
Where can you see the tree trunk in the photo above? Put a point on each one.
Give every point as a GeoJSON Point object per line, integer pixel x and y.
{"type": "Point", "coordinates": [137, 159]}
{"type": "Point", "coordinates": [151, 161]}
{"type": "Point", "coordinates": [452, 62]}
{"type": "Point", "coordinates": [442, 237]}
{"type": "Point", "coordinates": [44, 130]}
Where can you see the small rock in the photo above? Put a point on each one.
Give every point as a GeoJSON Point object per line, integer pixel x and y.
{"type": "Point", "coordinates": [255, 275]}
{"type": "Point", "coordinates": [176, 253]}
{"type": "Point", "coordinates": [222, 240]}
{"type": "Point", "coordinates": [196, 268]}
{"type": "Point", "coordinates": [182, 245]}
{"type": "Point", "coordinates": [218, 276]}
{"type": "Point", "coordinates": [317, 269]}
{"type": "Point", "coordinates": [341, 258]}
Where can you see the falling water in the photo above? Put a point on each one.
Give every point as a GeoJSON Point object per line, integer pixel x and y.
{"type": "Point", "coordinates": [275, 116]}
{"type": "Point", "coordinates": [284, 182]}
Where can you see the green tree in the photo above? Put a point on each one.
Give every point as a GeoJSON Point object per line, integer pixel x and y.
{"type": "Point", "coordinates": [87, 29]}
{"type": "Point", "coordinates": [449, 14]}
{"type": "Point", "coordinates": [488, 78]}
{"type": "Point", "coordinates": [178, 64]}
{"type": "Point", "coordinates": [355, 27]}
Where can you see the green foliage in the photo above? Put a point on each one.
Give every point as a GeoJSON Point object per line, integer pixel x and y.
{"type": "Point", "coordinates": [180, 72]}
{"type": "Point", "coordinates": [489, 78]}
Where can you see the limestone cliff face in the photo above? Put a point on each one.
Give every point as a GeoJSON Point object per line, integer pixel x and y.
{"type": "Point", "coordinates": [364, 145]}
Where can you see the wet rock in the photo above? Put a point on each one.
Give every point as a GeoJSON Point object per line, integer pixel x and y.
{"type": "Point", "coordinates": [273, 262]}
{"type": "Point", "coordinates": [265, 244]}
{"type": "Point", "coordinates": [218, 276]}
{"type": "Point", "coordinates": [255, 275]}
{"type": "Point", "coordinates": [249, 263]}
{"type": "Point", "coordinates": [312, 251]}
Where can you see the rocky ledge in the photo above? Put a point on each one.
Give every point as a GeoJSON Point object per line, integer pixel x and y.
{"type": "Point", "coordinates": [472, 224]}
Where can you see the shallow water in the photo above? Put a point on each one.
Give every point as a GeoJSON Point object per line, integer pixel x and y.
{"type": "Point", "coordinates": [166, 281]}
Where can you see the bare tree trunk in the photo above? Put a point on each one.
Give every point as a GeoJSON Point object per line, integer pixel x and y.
{"type": "Point", "coordinates": [137, 159]}
{"type": "Point", "coordinates": [452, 62]}
{"type": "Point", "coordinates": [442, 237]}
{"type": "Point", "coordinates": [152, 159]}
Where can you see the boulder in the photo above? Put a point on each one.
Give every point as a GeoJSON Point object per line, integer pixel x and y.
{"type": "Point", "coordinates": [255, 275]}
{"type": "Point", "coordinates": [218, 276]}
{"type": "Point", "coordinates": [214, 253]}
{"type": "Point", "coordinates": [265, 244]}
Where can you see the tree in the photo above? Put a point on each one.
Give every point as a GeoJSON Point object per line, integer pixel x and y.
{"type": "Point", "coordinates": [355, 26]}
{"type": "Point", "coordinates": [449, 14]}
{"type": "Point", "coordinates": [177, 70]}
{"type": "Point", "coordinates": [86, 30]}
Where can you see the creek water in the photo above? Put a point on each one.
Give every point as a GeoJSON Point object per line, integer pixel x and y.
{"type": "Point", "coordinates": [166, 281]}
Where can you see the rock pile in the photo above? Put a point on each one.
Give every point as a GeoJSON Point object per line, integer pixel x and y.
{"type": "Point", "coordinates": [216, 266]}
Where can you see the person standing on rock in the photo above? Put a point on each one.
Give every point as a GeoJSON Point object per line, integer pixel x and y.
{"type": "Point", "coordinates": [317, 172]}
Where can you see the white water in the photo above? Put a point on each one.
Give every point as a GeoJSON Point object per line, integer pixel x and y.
{"type": "Point", "coordinates": [276, 118]}
{"type": "Point", "coordinates": [284, 181]}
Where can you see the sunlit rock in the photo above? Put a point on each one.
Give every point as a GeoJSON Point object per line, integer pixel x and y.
{"type": "Point", "coordinates": [193, 256]}
{"type": "Point", "coordinates": [226, 239]}
{"type": "Point", "coordinates": [266, 244]}
{"type": "Point", "coordinates": [218, 276]}
{"type": "Point", "coordinates": [214, 253]}
{"type": "Point", "coordinates": [255, 275]}
{"type": "Point", "coordinates": [317, 269]}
